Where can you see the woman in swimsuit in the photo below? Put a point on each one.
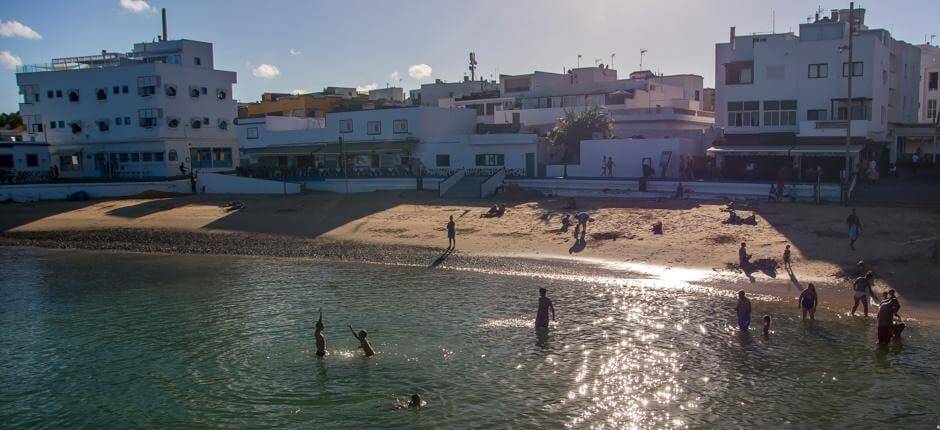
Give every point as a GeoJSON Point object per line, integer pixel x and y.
{"type": "Point", "coordinates": [807, 301]}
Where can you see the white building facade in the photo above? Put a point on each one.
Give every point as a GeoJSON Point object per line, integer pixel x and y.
{"type": "Point", "coordinates": [141, 114]}
{"type": "Point", "coordinates": [782, 98]}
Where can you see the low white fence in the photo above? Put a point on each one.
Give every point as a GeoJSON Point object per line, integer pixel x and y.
{"type": "Point", "coordinates": [215, 183]}
{"type": "Point", "coordinates": [489, 186]}
{"type": "Point", "coordinates": [451, 180]}
{"type": "Point", "coordinates": [660, 189]}
{"type": "Point", "coordinates": [61, 191]}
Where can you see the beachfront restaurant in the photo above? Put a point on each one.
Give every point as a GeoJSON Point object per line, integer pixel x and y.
{"type": "Point", "coordinates": [762, 158]}
{"type": "Point", "coordinates": [362, 159]}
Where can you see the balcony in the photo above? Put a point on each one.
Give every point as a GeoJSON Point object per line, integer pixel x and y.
{"type": "Point", "coordinates": [829, 128]}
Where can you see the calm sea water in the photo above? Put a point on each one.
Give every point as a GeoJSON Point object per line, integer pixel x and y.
{"type": "Point", "coordinates": [142, 341]}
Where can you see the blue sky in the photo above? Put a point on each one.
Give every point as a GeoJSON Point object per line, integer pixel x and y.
{"type": "Point", "coordinates": [358, 43]}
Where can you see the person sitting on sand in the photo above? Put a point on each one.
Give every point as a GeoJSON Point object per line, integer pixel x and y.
{"type": "Point", "coordinates": [565, 223]}
{"type": "Point", "coordinates": [416, 402]}
{"type": "Point", "coordinates": [743, 309]}
{"type": "Point", "coordinates": [744, 259]}
{"type": "Point", "coordinates": [541, 317]}
{"type": "Point", "coordinates": [862, 289]}
{"type": "Point", "coordinates": [766, 325]}
{"type": "Point", "coordinates": [807, 301]}
{"type": "Point", "coordinates": [658, 227]}
{"type": "Point", "coordinates": [363, 342]}
{"type": "Point", "coordinates": [318, 334]}
{"type": "Point", "coordinates": [733, 218]}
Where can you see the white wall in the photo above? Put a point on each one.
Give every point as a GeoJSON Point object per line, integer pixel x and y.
{"type": "Point", "coordinates": [34, 192]}
{"type": "Point", "coordinates": [369, 185]}
{"type": "Point", "coordinates": [19, 152]}
{"type": "Point", "coordinates": [628, 156]}
{"type": "Point", "coordinates": [214, 183]}
{"type": "Point", "coordinates": [463, 150]}
{"type": "Point", "coordinates": [666, 189]}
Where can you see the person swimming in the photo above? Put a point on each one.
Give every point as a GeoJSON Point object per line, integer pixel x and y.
{"type": "Point", "coordinates": [416, 402]}
{"type": "Point", "coordinates": [363, 342]}
{"type": "Point", "coordinates": [318, 333]}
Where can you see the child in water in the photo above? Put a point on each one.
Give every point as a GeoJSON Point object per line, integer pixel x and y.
{"type": "Point", "coordinates": [415, 403]}
{"type": "Point", "coordinates": [318, 333]}
{"type": "Point", "coordinates": [766, 325]}
{"type": "Point", "coordinates": [363, 342]}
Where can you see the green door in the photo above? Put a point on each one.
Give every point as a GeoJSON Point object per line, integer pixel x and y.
{"type": "Point", "coordinates": [530, 164]}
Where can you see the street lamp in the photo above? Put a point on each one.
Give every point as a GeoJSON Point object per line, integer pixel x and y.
{"type": "Point", "coordinates": [848, 126]}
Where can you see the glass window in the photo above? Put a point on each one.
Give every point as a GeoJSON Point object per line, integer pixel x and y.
{"type": "Point", "coordinates": [135, 157]}
{"type": "Point", "coordinates": [932, 109]}
{"type": "Point", "coordinates": [744, 114]}
{"type": "Point", "coordinates": [816, 115]}
{"type": "Point", "coordinates": [50, 94]}
{"type": "Point", "coordinates": [252, 132]}
{"type": "Point", "coordinates": [61, 124]}
{"type": "Point", "coordinates": [158, 156]}
{"type": "Point", "coordinates": [117, 121]}
{"type": "Point", "coordinates": [197, 61]}
{"type": "Point", "coordinates": [857, 68]}
{"type": "Point", "coordinates": [124, 89]}
{"type": "Point", "coordinates": [146, 157]}
{"type": "Point", "coordinates": [400, 126]}
{"type": "Point", "coordinates": [58, 94]}
{"type": "Point", "coordinates": [490, 159]}
{"type": "Point", "coordinates": [345, 126]}
{"type": "Point", "coordinates": [779, 113]}
{"type": "Point", "coordinates": [739, 73]}
{"type": "Point", "coordinates": [32, 160]}
{"type": "Point", "coordinates": [374, 127]}
{"type": "Point", "coordinates": [817, 71]}
{"type": "Point", "coordinates": [123, 157]}
{"type": "Point", "coordinates": [51, 124]}
{"type": "Point", "coordinates": [172, 155]}
{"type": "Point", "coordinates": [933, 81]}
{"type": "Point", "coordinates": [442, 160]}
{"type": "Point", "coordinates": [116, 89]}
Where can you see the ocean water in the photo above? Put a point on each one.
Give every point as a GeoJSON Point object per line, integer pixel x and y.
{"type": "Point", "coordinates": [104, 340]}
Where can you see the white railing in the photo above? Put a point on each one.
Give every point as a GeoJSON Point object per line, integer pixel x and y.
{"type": "Point", "coordinates": [445, 184]}
{"type": "Point", "coordinates": [489, 186]}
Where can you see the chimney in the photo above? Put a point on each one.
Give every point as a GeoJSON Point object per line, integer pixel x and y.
{"type": "Point", "coordinates": [163, 11]}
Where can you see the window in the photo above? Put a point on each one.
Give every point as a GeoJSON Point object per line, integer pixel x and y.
{"type": "Point", "coordinates": [51, 124]}
{"type": "Point", "coordinates": [205, 121]}
{"type": "Point", "coordinates": [170, 91]}
{"type": "Point", "coordinates": [50, 94]}
{"type": "Point", "coordinates": [32, 160]}
{"type": "Point", "coordinates": [61, 124]}
{"type": "Point", "coordinates": [197, 61]}
{"type": "Point", "coordinates": [135, 157]}
{"type": "Point", "coordinates": [148, 117]}
{"type": "Point", "coordinates": [442, 160]}
{"type": "Point", "coordinates": [857, 68]}
{"type": "Point", "coordinates": [195, 123]}
{"type": "Point", "coordinates": [103, 125]}
{"type": "Point", "coordinates": [36, 127]}
{"type": "Point", "coordinates": [817, 71]}
{"type": "Point", "coordinates": [223, 125]}
{"type": "Point", "coordinates": [345, 126]}
{"type": "Point", "coordinates": [70, 162]}
{"type": "Point", "coordinates": [146, 157]}
{"type": "Point", "coordinates": [58, 94]}
{"type": "Point", "coordinates": [73, 96]}
{"type": "Point", "coordinates": [147, 85]}
{"type": "Point", "coordinates": [220, 94]}
{"type": "Point", "coordinates": [374, 127]}
{"type": "Point", "coordinates": [932, 109]}
{"type": "Point", "coordinates": [744, 114]}
{"type": "Point", "coordinates": [204, 90]}
{"type": "Point", "coordinates": [698, 95]}
{"type": "Point", "coordinates": [400, 126]}
{"type": "Point", "coordinates": [76, 127]}
{"type": "Point", "coordinates": [101, 94]}
{"type": "Point", "coordinates": [194, 92]}
{"type": "Point", "coordinates": [740, 73]}
{"type": "Point", "coordinates": [861, 109]}
{"type": "Point", "coordinates": [779, 113]}
{"type": "Point", "coordinates": [816, 115]}
{"type": "Point", "coordinates": [123, 89]}
{"type": "Point", "coordinates": [171, 156]}
{"type": "Point", "coordinates": [116, 89]}
{"type": "Point", "coordinates": [297, 113]}
{"type": "Point", "coordinates": [221, 157]}
{"type": "Point", "coordinates": [173, 122]}
{"type": "Point", "coordinates": [6, 160]}
{"type": "Point", "coordinates": [490, 159]}
{"type": "Point", "coordinates": [252, 132]}
{"type": "Point", "coordinates": [158, 156]}
{"type": "Point", "coordinates": [933, 80]}
{"type": "Point", "coordinates": [124, 157]}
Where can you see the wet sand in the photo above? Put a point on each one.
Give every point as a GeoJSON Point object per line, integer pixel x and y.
{"type": "Point", "coordinates": [408, 228]}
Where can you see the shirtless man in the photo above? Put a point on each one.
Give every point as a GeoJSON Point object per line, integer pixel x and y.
{"type": "Point", "coordinates": [541, 318]}
{"type": "Point", "coordinates": [318, 333]}
{"type": "Point", "coordinates": [363, 342]}
{"type": "Point", "coordinates": [862, 287]}
{"type": "Point", "coordinates": [743, 308]}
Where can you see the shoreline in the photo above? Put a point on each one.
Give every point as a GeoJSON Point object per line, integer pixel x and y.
{"type": "Point", "coordinates": [184, 242]}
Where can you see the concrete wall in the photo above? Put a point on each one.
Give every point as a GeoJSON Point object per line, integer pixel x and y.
{"type": "Point", "coordinates": [214, 183]}
{"type": "Point", "coordinates": [463, 150]}
{"type": "Point", "coordinates": [628, 155]}
{"type": "Point", "coordinates": [667, 189]}
{"type": "Point", "coordinates": [34, 192]}
{"type": "Point", "coordinates": [369, 185]}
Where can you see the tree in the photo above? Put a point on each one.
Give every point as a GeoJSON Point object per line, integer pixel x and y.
{"type": "Point", "coordinates": [10, 120]}
{"type": "Point", "coordinates": [565, 138]}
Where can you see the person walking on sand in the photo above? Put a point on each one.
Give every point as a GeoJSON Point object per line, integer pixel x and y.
{"type": "Point", "coordinates": [363, 342]}
{"type": "Point", "coordinates": [541, 317]}
{"type": "Point", "coordinates": [743, 309]}
{"type": "Point", "coordinates": [786, 259]}
{"type": "Point", "coordinates": [855, 228]}
{"type": "Point", "coordinates": [862, 289]}
{"type": "Point", "coordinates": [318, 334]}
{"type": "Point", "coordinates": [807, 301]}
{"type": "Point", "coordinates": [610, 166]}
{"type": "Point", "coordinates": [451, 233]}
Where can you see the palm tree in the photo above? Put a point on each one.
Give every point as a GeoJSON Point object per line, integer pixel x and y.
{"type": "Point", "coordinates": [565, 139]}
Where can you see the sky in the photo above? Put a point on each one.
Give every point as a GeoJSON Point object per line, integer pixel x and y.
{"type": "Point", "coordinates": [288, 45]}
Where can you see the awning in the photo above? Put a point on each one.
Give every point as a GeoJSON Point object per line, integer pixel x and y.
{"type": "Point", "coordinates": [803, 150]}
{"type": "Point", "coordinates": [333, 148]}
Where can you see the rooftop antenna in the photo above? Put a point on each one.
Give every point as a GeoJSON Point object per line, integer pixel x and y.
{"type": "Point", "coordinates": [473, 66]}
{"type": "Point", "coordinates": [932, 37]}
{"type": "Point", "coordinates": [773, 21]}
{"type": "Point", "coordinates": [163, 12]}
{"type": "Point", "coordinates": [579, 61]}
{"type": "Point", "coordinates": [612, 55]}
{"type": "Point", "coordinates": [642, 53]}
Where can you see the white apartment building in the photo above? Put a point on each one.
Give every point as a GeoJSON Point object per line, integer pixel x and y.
{"type": "Point", "coordinates": [392, 142]}
{"type": "Point", "coordinates": [922, 138]}
{"type": "Point", "coordinates": [782, 98]}
{"type": "Point", "coordinates": [444, 94]}
{"type": "Point", "coordinates": [140, 114]}
{"type": "Point", "coordinates": [392, 94]}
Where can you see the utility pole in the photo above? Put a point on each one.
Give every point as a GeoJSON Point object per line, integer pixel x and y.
{"type": "Point", "coordinates": [848, 125]}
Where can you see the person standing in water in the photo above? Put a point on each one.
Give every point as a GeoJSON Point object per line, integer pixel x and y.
{"type": "Point", "coordinates": [862, 288]}
{"type": "Point", "coordinates": [855, 228]}
{"type": "Point", "coordinates": [363, 342]}
{"type": "Point", "coordinates": [743, 308]}
{"type": "Point", "coordinates": [318, 333]}
{"type": "Point", "coordinates": [451, 233]}
{"type": "Point", "coordinates": [808, 301]}
{"type": "Point", "coordinates": [541, 318]}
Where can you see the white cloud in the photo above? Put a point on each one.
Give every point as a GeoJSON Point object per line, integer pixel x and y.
{"type": "Point", "coordinates": [9, 61]}
{"type": "Point", "coordinates": [17, 29]}
{"type": "Point", "coordinates": [266, 71]}
{"type": "Point", "coordinates": [294, 52]}
{"type": "Point", "coordinates": [136, 6]}
{"type": "Point", "coordinates": [419, 71]}
{"type": "Point", "coordinates": [299, 91]}
{"type": "Point", "coordinates": [394, 76]}
{"type": "Point", "coordinates": [367, 87]}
